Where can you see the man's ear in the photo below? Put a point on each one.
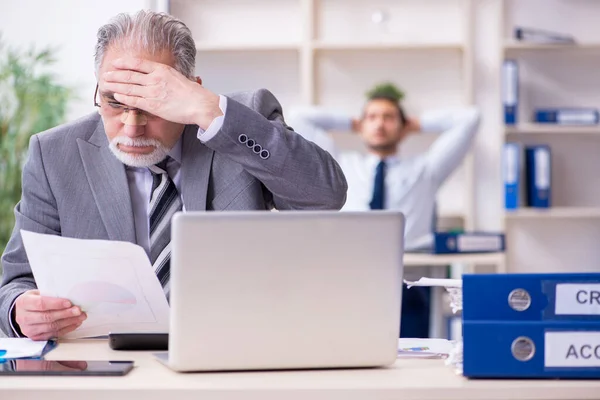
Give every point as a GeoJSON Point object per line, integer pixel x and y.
{"type": "Point", "coordinates": [357, 124]}
{"type": "Point", "coordinates": [199, 80]}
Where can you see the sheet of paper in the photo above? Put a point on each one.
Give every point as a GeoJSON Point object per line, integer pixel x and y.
{"type": "Point", "coordinates": [113, 282]}
{"type": "Point", "coordinates": [21, 348]}
{"type": "Point", "coordinates": [452, 286]}
{"type": "Point", "coordinates": [435, 282]}
{"type": "Point", "coordinates": [424, 348]}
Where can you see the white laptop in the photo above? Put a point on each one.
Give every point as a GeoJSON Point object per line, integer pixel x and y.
{"type": "Point", "coordinates": [285, 290]}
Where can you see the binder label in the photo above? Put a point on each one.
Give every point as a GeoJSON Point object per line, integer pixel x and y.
{"type": "Point", "coordinates": [511, 157]}
{"type": "Point", "coordinates": [542, 168]}
{"type": "Point", "coordinates": [468, 243]}
{"type": "Point", "coordinates": [577, 299]}
{"type": "Point", "coordinates": [572, 349]}
{"type": "Point", "coordinates": [510, 87]}
{"type": "Point", "coordinates": [568, 117]}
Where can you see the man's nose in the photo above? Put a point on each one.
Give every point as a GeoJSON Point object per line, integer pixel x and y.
{"type": "Point", "coordinates": [134, 122]}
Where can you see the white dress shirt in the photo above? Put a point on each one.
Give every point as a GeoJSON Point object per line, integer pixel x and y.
{"type": "Point", "coordinates": [410, 184]}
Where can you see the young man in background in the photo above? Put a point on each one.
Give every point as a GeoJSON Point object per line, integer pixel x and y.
{"type": "Point", "coordinates": [380, 179]}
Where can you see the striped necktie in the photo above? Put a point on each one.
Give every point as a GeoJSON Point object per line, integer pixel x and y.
{"type": "Point", "coordinates": [164, 203]}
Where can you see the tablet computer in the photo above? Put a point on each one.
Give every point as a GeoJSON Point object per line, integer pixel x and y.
{"type": "Point", "coordinates": [64, 367]}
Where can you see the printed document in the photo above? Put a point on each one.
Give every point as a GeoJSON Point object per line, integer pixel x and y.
{"type": "Point", "coordinates": [113, 282]}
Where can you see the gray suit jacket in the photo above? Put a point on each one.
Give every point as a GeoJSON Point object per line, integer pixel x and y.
{"type": "Point", "coordinates": [74, 186]}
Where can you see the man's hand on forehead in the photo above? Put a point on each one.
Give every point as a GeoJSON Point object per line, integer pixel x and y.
{"type": "Point", "coordinates": [160, 90]}
{"type": "Point", "coordinates": [137, 64]}
{"type": "Point", "coordinates": [134, 70]}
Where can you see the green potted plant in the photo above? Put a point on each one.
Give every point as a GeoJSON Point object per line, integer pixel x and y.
{"type": "Point", "coordinates": [31, 100]}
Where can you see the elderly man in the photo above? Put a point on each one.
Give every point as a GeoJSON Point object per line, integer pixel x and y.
{"type": "Point", "coordinates": [160, 143]}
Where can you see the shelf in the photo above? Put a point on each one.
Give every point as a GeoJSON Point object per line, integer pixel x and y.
{"type": "Point", "coordinates": [216, 47]}
{"type": "Point", "coordinates": [451, 215]}
{"type": "Point", "coordinates": [421, 260]}
{"type": "Point", "coordinates": [551, 129]}
{"type": "Point", "coordinates": [387, 46]}
{"type": "Point", "coordinates": [539, 46]}
{"type": "Point", "coordinates": [554, 212]}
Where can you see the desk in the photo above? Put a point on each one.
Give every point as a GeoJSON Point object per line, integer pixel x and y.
{"type": "Point", "coordinates": [150, 380]}
{"type": "Point", "coordinates": [459, 265]}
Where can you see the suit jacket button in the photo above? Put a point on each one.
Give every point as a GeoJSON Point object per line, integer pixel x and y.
{"type": "Point", "coordinates": [257, 148]}
{"type": "Point", "coordinates": [242, 138]}
{"type": "Point", "coordinates": [265, 154]}
{"type": "Point", "coordinates": [250, 143]}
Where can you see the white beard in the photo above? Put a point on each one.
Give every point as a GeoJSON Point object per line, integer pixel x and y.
{"type": "Point", "coordinates": [159, 153]}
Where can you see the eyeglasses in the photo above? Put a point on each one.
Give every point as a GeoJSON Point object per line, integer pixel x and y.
{"type": "Point", "coordinates": [114, 108]}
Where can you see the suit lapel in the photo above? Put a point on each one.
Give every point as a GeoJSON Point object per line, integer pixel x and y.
{"type": "Point", "coordinates": [196, 163]}
{"type": "Point", "coordinates": [108, 181]}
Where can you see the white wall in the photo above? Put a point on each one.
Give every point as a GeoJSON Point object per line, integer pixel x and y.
{"type": "Point", "coordinates": [71, 26]}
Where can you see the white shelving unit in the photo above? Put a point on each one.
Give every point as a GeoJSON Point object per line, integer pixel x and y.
{"type": "Point", "coordinates": [564, 237]}
{"type": "Point", "coordinates": [330, 52]}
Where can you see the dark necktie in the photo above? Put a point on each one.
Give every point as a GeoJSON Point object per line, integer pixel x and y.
{"type": "Point", "coordinates": [164, 203]}
{"type": "Point", "coordinates": [377, 201]}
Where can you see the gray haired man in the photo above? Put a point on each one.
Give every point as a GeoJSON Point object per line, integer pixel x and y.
{"type": "Point", "coordinates": [160, 143]}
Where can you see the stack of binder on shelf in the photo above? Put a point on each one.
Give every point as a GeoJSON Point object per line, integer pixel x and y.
{"type": "Point", "coordinates": [567, 116]}
{"type": "Point", "coordinates": [542, 36]}
{"type": "Point", "coordinates": [531, 325]}
{"type": "Point", "coordinates": [467, 242]}
{"type": "Point", "coordinates": [527, 176]}
{"type": "Point", "coordinates": [459, 242]}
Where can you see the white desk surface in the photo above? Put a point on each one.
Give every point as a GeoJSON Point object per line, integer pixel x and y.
{"type": "Point", "coordinates": [150, 380]}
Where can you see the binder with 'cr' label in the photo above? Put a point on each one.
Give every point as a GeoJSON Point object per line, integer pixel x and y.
{"type": "Point", "coordinates": [531, 297]}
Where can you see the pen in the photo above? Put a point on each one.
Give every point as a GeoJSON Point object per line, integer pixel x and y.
{"type": "Point", "coordinates": [415, 348]}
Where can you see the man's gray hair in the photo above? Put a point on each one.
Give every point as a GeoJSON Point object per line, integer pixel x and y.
{"type": "Point", "coordinates": [151, 32]}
